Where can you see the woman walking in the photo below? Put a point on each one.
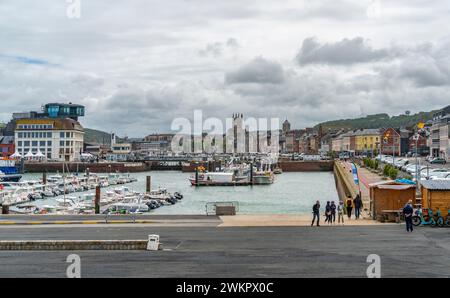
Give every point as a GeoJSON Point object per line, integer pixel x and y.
{"type": "Point", "coordinates": [349, 207]}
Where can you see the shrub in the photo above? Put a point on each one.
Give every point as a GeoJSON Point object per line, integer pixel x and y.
{"type": "Point", "coordinates": [386, 170]}
{"type": "Point", "coordinates": [393, 172]}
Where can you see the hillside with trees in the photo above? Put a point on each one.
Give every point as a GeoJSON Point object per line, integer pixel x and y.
{"type": "Point", "coordinates": [378, 121]}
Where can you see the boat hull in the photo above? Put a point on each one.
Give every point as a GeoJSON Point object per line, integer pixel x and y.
{"type": "Point", "coordinates": [10, 178]}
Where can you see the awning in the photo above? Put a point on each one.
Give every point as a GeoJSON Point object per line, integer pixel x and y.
{"type": "Point", "coordinates": [29, 154]}
{"type": "Point", "coordinates": [16, 155]}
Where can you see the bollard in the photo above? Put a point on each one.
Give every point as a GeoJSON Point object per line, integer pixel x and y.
{"type": "Point", "coordinates": [97, 200]}
{"type": "Point", "coordinates": [149, 184]}
{"type": "Point", "coordinates": [251, 173]}
{"type": "Point", "coordinates": [5, 209]}
{"type": "Point", "coordinates": [196, 175]}
{"type": "Point", "coordinates": [153, 242]}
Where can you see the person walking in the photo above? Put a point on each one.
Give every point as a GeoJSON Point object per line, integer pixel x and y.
{"type": "Point", "coordinates": [333, 212]}
{"type": "Point", "coordinates": [328, 213]}
{"type": "Point", "coordinates": [340, 210]}
{"type": "Point", "coordinates": [357, 204]}
{"type": "Point", "coordinates": [349, 206]}
{"type": "Point", "coordinates": [316, 213]}
{"type": "Point", "coordinates": [408, 211]}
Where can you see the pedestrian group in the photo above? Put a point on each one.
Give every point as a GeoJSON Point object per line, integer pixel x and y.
{"type": "Point", "coordinates": [343, 207]}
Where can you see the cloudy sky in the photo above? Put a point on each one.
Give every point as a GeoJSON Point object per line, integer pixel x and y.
{"type": "Point", "coordinates": [138, 64]}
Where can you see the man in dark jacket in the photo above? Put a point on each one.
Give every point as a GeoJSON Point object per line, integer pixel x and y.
{"type": "Point", "coordinates": [358, 204]}
{"type": "Point", "coordinates": [316, 213]}
{"type": "Point", "coordinates": [408, 213]}
{"type": "Point", "coordinates": [333, 212]}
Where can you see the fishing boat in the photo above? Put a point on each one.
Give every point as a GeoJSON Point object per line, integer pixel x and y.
{"type": "Point", "coordinates": [263, 177]}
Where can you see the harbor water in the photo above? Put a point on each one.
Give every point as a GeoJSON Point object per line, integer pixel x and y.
{"type": "Point", "coordinates": [291, 193]}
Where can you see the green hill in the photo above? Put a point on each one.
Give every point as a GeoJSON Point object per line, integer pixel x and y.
{"type": "Point", "coordinates": [377, 121]}
{"type": "Point", "coordinates": [94, 136]}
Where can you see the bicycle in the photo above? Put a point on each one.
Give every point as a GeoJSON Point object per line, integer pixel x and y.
{"type": "Point", "coordinates": [422, 218]}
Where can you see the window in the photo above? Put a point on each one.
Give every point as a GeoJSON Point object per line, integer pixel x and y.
{"type": "Point", "coordinates": [61, 143]}
{"type": "Point", "coordinates": [42, 143]}
{"type": "Point", "coordinates": [61, 135]}
{"type": "Point", "coordinates": [19, 135]}
{"type": "Point", "coordinates": [67, 134]}
{"type": "Point", "coordinates": [49, 143]}
{"type": "Point", "coordinates": [34, 143]}
{"type": "Point", "coordinates": [49, 135]}
{"type": "Point", "coordinates": [26, 143]}
{"type": "Point", "coordinates": [19, 143]}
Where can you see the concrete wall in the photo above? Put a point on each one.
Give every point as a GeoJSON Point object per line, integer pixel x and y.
{"type": "Point", "coordinates": [74, 245]}
{"type": "Point", "coordinates": [306, 166]}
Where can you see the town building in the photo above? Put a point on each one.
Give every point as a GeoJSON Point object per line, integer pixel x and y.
{"type": "Point", "coordinates": [120, 152]}
{"type": "Point", "coordinates": [367, 141]}
{"type": "Point", "coordinates": [440, 134]}
{"type": "Point", "coordinates": [53, 134]}
{"type": "Point", "coordinates": [390, 142]}
{"type": "Point", "coordinates": [7, 147]}
{"type": "Point", "coordinates": [348, 142]}
{"type": "Point", "coordinates": [336, 143]}
{"type": "Point", "coordinates": [55, 139]}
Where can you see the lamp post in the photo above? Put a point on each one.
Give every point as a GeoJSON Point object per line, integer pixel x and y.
{"type": "Point", "coordinates": [417, 162]}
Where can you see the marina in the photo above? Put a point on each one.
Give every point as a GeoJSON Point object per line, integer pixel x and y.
{"type": "Point", "coordinates": [291, 193]}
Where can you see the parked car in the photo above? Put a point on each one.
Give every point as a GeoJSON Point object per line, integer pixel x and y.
{"type": "Point", "coordinates": [400, 162]}
{"type": "Point", "coordinates": [433, 172]}
{"type": "Point", "coordinates": [438, 160]}
{"type": "Point", "coordinates": [412, 170]}
{"type": "Point", "coordinates": [440, 176]}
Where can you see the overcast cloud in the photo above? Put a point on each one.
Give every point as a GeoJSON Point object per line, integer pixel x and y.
{"type": "Point", "coordinates": [139, 64]}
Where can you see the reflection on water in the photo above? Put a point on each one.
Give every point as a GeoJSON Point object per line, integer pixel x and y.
{"type": "Point", "coordinates": [292, 193]}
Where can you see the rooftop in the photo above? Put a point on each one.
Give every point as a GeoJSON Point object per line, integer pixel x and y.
{"type": "Point", "coordinates": [436, 184]}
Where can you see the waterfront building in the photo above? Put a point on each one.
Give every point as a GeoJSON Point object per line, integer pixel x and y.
{"type": "Point", "coordinates": [367, 140]}
{"type": "Point", "coordinates": [440, 134]}
{"type": "Point", "coordinates": [348, 141]}
{"type": "Point", "coordinates": [7, 147]}
{"type": "Point", "coordinates": [336, 143]}
{"type": "Point", "coordinates": [422, 145]}
{"type": "Point", "coordinates": [120, 152]}
{"type": "Point", "coordinates": [53, 133]}
{"type": "Point", "coordinates": [55, 139]}
{"type": "Point", "coordinates": [390, 142]}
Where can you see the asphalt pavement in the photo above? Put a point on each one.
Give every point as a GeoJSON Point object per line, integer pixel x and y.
{"type": "Point", "coordinates": [237, 252]}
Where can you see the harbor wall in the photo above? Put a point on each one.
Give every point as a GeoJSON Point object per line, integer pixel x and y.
{"type": "Point", "coordinates": [344, 184]}
{"type": "Point", "coordinates": [286, 166]}
{"type": "Point", "coordinates": [132, 167]}
{"type": "Point", "coordinates": [306, 166]}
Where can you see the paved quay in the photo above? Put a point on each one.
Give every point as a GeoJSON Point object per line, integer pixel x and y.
{"type": "Point", "coordinates": [156, 220]}
{"type": "Point", "coordinates": [262, 220]}
{"type": "Point", "coordinates": [236, 252]}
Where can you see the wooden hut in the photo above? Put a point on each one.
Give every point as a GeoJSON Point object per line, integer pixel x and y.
{"type": "Point", "coordinates": [390, 196]}
{"type": "Point", "coordinates": [436, 194]}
